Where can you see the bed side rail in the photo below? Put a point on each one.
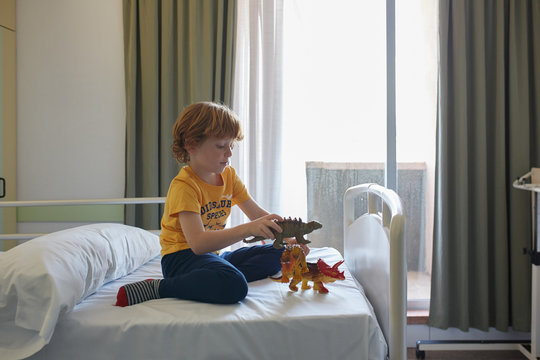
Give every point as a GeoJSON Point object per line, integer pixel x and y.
{"type": "Point", "coordinates": [104, 201]}
{"type": "Point", "coordinates": [384, 220]}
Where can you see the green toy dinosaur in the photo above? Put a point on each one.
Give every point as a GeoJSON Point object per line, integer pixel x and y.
{"type": "Point", "coordinates": [290, 228]}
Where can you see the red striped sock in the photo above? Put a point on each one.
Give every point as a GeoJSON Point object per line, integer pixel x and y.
{"type": "Point", "coordinates": [134, 293]}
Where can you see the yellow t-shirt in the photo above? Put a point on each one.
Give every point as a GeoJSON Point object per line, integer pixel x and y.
{"type": "Point", "coordinates": [189, 193]}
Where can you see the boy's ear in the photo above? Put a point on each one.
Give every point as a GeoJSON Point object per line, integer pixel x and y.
{"type": "Point", "coordinates": [190, 145]}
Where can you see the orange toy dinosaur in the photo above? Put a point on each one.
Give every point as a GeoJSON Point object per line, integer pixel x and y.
{"type": "Point", "coordinates": [294, 268]}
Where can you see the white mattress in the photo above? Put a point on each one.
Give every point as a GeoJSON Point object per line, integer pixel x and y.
{"type": "Point", "coordinates": [270, 323]}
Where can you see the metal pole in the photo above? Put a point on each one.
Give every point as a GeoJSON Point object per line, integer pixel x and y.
{"type": "Point", "coordinates": [391, 163]}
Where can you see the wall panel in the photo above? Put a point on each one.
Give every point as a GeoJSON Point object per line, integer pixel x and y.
{"type": "Point", "coordinates": [8, 147]}
{"type": "Point", "coordinates": [7, 14]}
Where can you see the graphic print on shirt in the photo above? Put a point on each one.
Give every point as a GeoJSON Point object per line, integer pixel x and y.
{"type": "Point", "coordinates": [215, 213]}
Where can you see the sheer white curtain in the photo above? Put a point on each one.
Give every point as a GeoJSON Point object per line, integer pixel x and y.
{"type": "Point", "coordinates": [257, 99]}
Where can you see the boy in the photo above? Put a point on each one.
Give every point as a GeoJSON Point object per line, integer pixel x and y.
{"type": "Point", "coordinates": [198, 204]}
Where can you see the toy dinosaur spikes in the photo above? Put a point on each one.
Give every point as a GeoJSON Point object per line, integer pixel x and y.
{"type": "Point", "coordinates": [333, 271]}
{"type": "Point", "coordinates": [290, 228]}
{"type": "Point", "coordinates": [295, 268]}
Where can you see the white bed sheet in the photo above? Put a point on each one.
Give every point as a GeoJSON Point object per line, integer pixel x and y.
{"type": "Point", "coordinates": [270, 323]}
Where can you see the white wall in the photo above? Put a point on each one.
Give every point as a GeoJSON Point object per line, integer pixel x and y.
{"type": "Point", "coordinates": [70, 99]}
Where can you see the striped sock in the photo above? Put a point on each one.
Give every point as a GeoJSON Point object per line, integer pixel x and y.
{"type": "Point", "coordinates": [137, 292]}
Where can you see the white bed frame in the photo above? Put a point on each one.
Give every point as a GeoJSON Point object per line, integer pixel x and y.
{"type": "Point", "coordinates": [374, 250]}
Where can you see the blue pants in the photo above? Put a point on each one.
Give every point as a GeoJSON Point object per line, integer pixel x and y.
{"type": "Point", "coordinates": [217, 279]}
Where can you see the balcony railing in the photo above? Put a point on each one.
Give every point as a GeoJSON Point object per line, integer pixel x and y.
{"type": "Point", "coordinates": [327, 182]}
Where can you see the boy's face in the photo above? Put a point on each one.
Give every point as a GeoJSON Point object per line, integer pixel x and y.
{"type": "Point", "coordinates": [211, 155]}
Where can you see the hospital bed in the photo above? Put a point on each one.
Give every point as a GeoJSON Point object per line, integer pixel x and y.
{"type": "Point", "coordinates": [57, 293]}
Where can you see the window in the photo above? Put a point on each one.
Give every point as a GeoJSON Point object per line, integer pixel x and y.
{"type": "Point", "coordinates": [334, 105]}
{"type": "Point", "coordinates": [334, 88]}
{"type": "Point", "coordinates": [416, 114]}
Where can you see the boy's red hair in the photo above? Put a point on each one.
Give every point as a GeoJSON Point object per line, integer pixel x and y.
{"type": "Point", "coordinates": [200, 121]}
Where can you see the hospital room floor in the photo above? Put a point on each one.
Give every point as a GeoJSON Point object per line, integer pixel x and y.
{"type": "Point", "coordinates": [477, 355]}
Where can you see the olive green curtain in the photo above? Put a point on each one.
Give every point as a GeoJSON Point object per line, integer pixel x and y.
{"type": "Point", "coordinates": [176, 52]}
{"type": "Point", "coordinates": [488, 132]}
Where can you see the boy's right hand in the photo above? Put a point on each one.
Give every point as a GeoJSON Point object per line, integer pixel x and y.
{"type": "Point", "coordinates": [265, 226]}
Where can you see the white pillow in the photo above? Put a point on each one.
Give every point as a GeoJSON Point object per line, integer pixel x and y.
{"type": "Point", "coordinates": [47, 276]}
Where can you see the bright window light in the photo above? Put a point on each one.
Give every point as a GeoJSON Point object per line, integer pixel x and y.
{"type": "Point", "coordinates": [334, 105]}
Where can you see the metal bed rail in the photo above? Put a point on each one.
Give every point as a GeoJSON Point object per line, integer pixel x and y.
{"type": "Point", "coordinates": [75, 202]}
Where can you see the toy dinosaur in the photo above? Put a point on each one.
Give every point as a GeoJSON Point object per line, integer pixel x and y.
{"type": "Point", "coordinates": [290, 228]}
{"type": "Point", "coordinates": [294, 268]}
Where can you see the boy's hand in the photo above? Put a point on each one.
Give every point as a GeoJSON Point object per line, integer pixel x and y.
{"type": "Point", "coordinates": [264, 225]}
